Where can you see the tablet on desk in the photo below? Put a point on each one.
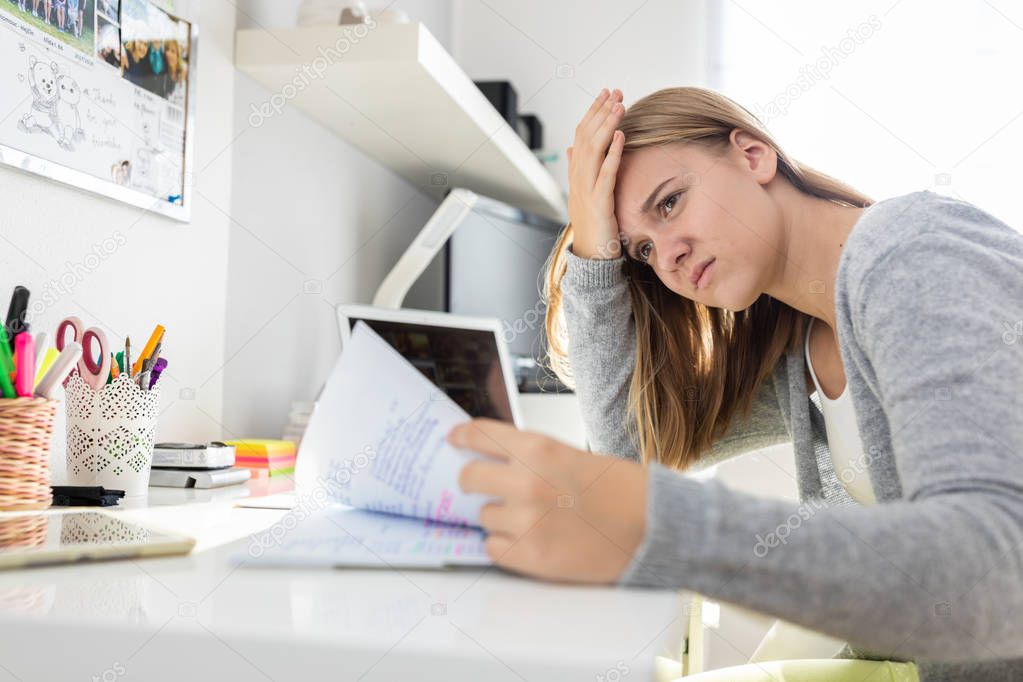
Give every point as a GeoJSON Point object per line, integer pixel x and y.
{"type": "Point", "coordinates": [35, 539]}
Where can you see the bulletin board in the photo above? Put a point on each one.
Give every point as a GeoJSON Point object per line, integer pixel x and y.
{"type": "Point", "coordinates": [100, 94]}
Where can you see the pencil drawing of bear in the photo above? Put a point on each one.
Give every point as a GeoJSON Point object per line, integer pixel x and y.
{"type": "Point", "coordinates": [68, 119]}
{"type": "Point", "coordinates": [42, 79]}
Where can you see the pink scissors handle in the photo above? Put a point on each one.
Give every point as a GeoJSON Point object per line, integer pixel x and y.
{"type": "Point", "coordinates": [94, 345]}
{"type": "Point", "coordinates": [97, 371]}
{"type": "Point", "coordinates": [76, 326]}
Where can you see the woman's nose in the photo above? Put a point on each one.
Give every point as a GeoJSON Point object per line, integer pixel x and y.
{"type": "Point", "coordinates": [671, 257]}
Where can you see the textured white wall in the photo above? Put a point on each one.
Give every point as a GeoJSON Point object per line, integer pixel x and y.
{"type": "Point", "coordinates": [161, 270]}
{"type": "Point", "coordinates": [314, 222]}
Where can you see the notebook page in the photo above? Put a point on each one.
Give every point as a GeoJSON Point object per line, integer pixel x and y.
{"type": "Point", "coordinates": [376, 440]}
{"type": "Point", "coordinates": [350, 537]}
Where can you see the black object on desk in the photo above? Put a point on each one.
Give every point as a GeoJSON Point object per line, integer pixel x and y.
{"type": "Point", "coordinates": [82, 495]}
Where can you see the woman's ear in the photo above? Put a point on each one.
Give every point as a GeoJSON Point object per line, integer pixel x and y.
{"type": "Point", "coordinates": [754, 155]}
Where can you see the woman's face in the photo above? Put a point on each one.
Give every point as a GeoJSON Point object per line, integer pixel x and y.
{"type": "Point", "coordinates": [171, 51]}
{"type": "Point", "coordinates": [704, 205]}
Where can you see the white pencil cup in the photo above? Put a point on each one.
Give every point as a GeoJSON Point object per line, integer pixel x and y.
{"type": "Point", "coordinates": [110, 434]}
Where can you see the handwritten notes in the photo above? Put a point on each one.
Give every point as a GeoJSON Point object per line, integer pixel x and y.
{"type": "Point", "coordinates": [350, 537]}
{"type": "Point", "coordinates": [375, 450]}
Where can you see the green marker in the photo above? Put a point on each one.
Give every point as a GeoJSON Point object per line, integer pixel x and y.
{"type": "Point", "coordinates": [6, 366]}
{"type": "Point", "coordinates": [6, 361]}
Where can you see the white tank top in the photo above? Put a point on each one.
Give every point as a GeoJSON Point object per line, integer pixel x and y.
{"type": "Point", "coordinates": [785, 640]}
{"type": "Point", "coordinates": [843, 438]}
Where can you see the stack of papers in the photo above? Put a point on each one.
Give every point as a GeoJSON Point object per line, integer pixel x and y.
{"type": "Point", "coordinates": [264, 457]}
{"type": "Point", "coordinates": [376, 483]}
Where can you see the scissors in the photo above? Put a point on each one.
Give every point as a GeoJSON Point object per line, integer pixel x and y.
{"type": "Point", "coordinates": [92, 372]}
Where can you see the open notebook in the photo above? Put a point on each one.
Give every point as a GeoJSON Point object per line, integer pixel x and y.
{"type": "Point", "coordinates": [376, 483]}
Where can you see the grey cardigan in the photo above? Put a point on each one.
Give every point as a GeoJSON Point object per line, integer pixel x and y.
{"type": "Point", "coordinates": [929, 298]}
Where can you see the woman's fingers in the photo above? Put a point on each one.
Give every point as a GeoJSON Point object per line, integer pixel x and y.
{"type": "Point", "coordinates": [496, 518]}
{"type": "Point", "coordinates": [609, 169]}
{"type": "Point", "coordinates": [601, 115]}
{"type": "Point", "coordinates": [486, 477]}
{"type": "Point", "coordinates": [497, 546]}
{"type": "Point", "coordinates": [608, 126]}
{"type": "Point", "coordinates": [485, 436]}
{"type": "Point", "coordinates": [597, 102]}
{"type": "Point", "coordinates": [596, 142]}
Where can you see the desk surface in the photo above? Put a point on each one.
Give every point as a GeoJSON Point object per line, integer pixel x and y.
{"type": "Point", "coordinates": [201, 617]}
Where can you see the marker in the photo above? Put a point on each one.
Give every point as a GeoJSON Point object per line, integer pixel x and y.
{"type": "Point", "coordinates": [157, 370]}
{"type": "Point", "coordinates": [48, 359]}
{"type": "Point", "coordinates": [60, 369]}
{"type": "Point", "coordinates": [24, 346]}
{"type": "Point", "coordinates": [6, 387]}
{"type": "Point", "coordinates": [15, 323]}
{"type": "Point", "coordinates": [42, 340]}
{"type": "Point", "coordinates": [6, 361]}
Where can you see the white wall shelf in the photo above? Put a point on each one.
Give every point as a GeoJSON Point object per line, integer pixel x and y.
{"type": "Point", "coordinates": [394, 92]}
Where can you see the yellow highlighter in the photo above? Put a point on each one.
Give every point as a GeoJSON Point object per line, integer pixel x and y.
{"type": "Point", "coordinates": [44, 366]}
{"type": "Point", "coordinates": [154, 339]}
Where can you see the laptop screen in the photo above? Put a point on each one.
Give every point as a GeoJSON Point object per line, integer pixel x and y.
{"type": "Point", "coordinates": [464, 363]}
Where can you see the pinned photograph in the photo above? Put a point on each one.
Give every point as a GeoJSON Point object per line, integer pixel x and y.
{"type": "Point", "coordinates": [108, 41]}
{"type": "Point", "coordinates": [69, 21]}
{"type": "Point", "coordinates": [154, 50]}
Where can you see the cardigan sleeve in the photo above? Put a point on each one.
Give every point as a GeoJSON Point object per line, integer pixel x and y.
{"type": "Point", "coordinates": [936, 575]}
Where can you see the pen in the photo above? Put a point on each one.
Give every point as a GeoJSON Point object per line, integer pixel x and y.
{"type": "Point", "coordinates": [127, 357]}
{"type": "Point", "coordinates": [59, 370]}
{"type": "Point", "coordinates": [154, 339]}
{"type": "Point", "coordinates": [24, 346]}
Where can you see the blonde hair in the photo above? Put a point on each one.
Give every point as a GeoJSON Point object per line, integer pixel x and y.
{"type": "Point", "coordinates": [696, 367]}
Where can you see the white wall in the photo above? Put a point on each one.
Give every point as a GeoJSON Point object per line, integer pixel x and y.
{"type": "Point", "coordinates": [163, 271]}
{"type": "Point", "coordinates": [892, 97]}
{"type": "Point", "coordinates": [314, 222]}
{"type": "Point", "coordinates": [558, 55]}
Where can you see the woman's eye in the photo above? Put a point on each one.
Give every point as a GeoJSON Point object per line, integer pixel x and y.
{"type": "Point", "coordinates": [644, 251]}
{"type": "Point", "coordinates": [669, 203]}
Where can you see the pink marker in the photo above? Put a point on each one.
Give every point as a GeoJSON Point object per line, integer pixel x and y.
{"type": "Point", "coordinates": [25, 367]}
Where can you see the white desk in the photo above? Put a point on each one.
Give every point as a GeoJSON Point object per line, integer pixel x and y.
{"type": "Point", "coordinates": [197, 617]}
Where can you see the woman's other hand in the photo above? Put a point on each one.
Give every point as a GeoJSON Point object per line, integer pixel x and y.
{"type": "Point", "coordinates": [559, 513]}
{"type": "Point", "coordinates": [593, 162]}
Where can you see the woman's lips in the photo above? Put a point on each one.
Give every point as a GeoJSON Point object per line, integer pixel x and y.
{"type": "Point", "coordinates": [704, 274]}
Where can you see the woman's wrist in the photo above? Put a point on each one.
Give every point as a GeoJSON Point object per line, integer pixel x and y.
{"type": "Point", "coordinates": [591, 273]}
{"type": "Point", "coordinates": [610, 249]}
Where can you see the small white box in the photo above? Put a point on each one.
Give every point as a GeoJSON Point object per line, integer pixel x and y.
{"type": "Point", "coordinates": [216, 455]}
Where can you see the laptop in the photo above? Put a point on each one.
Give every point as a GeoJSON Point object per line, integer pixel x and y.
{"type": "Point", "coordinates": [466, 357]}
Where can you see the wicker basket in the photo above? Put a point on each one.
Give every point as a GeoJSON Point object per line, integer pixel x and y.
{"type": "Point", "coordinates": [26, 426]}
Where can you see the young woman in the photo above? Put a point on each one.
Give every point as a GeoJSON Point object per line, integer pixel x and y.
{"type": "Point", "coordinates": [706, 290]}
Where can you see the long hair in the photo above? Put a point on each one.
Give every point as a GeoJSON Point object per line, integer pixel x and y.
{"type": "Point", "coordinates": [696, 366]}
